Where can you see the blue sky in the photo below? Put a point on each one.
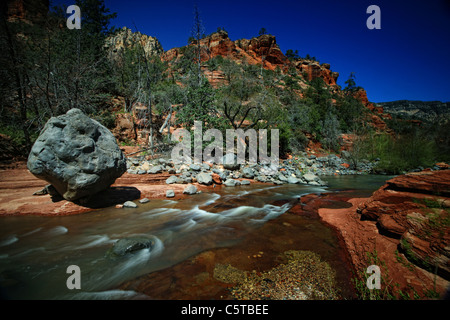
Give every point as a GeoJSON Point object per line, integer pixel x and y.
{"type": "Point", "coordinates": [408, 58]}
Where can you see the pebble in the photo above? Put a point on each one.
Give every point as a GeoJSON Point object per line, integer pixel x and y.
{"type": "Point", "coordinates": [129, 204]}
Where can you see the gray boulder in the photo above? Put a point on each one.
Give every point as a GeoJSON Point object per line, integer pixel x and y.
{"type": "Point", "coordinates": [170, 194]}
{"type": "Point", "coordinates": [156, 169]}
{"type": "Point", "coordinates": [292, 180]}
{"type": "Point", "coordinates": [248, 173]}
{"type": "Point", "coordinates": [190, 189]}
{"type": "Point", "coordinates": [171, 180]}
{"type": "Point", "coordinates": [204, 178]}
{"type": "Point", "coordinates": [231, 183]}
{"type": "Point", "coordinates": [309, 177]}
{"type": "Point", "coordinates": [77, 155]}
{"type": "Point", "coordinates": [195, 167]}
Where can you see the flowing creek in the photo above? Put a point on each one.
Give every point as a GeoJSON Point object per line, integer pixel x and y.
{"type": "Point", "coordinates": [36, 251]}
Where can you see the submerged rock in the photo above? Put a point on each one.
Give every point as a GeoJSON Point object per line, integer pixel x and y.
{"type": "Point", "coordinates": [77, 155]}
{"type": "Point", "coordinates": [145, 200]}
{"type": "Point", "coordinates": [131, 244]}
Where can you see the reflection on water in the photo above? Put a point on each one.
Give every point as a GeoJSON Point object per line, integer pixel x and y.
{"type": "Point", "coordinates": [360, 185]}
{"type": "Point", "coordinates": [36, 251]}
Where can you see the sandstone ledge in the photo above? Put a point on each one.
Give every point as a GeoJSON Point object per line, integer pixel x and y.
{"type": "Point", "coordinates": [406, 223]}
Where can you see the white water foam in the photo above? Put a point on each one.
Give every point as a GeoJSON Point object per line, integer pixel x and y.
{"type": "Point", "coordinates": [95, 240]}
{"type": "Point", "coordinates": [31, 232]}
{"type": "Point", "coordinates": [9, 240]}
{"type": "Point", "coordinates": [57, 231]}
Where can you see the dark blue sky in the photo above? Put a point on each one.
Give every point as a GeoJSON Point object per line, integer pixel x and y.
{"type": "Point", "coordinates": [409, 58]}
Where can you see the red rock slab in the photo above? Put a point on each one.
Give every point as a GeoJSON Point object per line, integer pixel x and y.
{"type": "Point", "coordinates": [430, 182]}
{"type": "Point", "coordinates": [362, 237]}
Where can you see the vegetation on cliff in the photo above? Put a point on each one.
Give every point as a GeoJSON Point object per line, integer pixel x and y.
{"type": "Point", "coordinates": [48, 69]}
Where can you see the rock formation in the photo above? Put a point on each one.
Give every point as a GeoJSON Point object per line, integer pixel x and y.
{"type": "Point", "coordinates": [415, 209]}
{"type": "Point", "coordinates": [429, 111]}
{"type": "Point", "coordinates": [262, 50]}
{"type": "Point", "coordinates": [77, 155]}
{"type": "Point", "coordinates": [125, 38]}
{"type": "Point", "coordinates": [30, 11]}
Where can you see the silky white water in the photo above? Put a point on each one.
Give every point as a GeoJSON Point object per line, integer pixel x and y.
{"type": "Point", "coordinates": [36, 251]}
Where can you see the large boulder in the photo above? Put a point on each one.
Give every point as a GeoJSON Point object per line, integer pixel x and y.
{"type": "Point", "coordinates": [77, 155]}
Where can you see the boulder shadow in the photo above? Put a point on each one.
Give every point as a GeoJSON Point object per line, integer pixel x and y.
{"type": "Point", "coordinates": [109, 197]}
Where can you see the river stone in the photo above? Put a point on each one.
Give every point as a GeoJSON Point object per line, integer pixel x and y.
{"type": "Point", "coordinates": [231, 183]}
{"type": "Point", "coordinates": [195, 167]}
{"type": "Point", "coordinates": [155, 169]}
{"type": "Point", "coordinates": [230, 162]}
{"type": "Point", "coordinates": [248, 173]}
{"type": "Point", "coordinates": [77, 155]}
{"type": "Point", "coordinates": [292, 180]}
{"type": "Point", "coordinates": [190, 189]}
{"type": "Point", "coordinates": [127, 245]}
{"type": "Point", "coordinates": [171, 180]}
{"type": "Point", "coordinates": [309, 177]}
{"type": "Point", "coordinates": [170, 194]}
{"type": "Point", "coordinates": [129, 204]}
{"type": "Point", "coordinates": [204, 178]}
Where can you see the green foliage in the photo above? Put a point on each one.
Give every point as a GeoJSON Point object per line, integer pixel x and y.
{"type": "Point", "coordinates": [55, 69]}
{"type": "Point", "coordinates": [291, 54]}
{"type": "Point", "coordinates": [351, 84]}
{"type": "Point", "coordinates": [352, 113]}
{"type": "Point", "coordinates": [401, 153]}
{"type": "Point", "coordinates": [262, 31]}
{"type": "Point", "coordinates": [199, 106]}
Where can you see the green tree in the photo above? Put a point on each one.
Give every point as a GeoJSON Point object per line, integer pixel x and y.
{"type": "Point", "coordinates": [291, 54]}
{"type": "Point", "coordinates": [50, 68]}
{"type": "Point", "coordinates": [262, 31]}
{"type": "Point", "coordinates": [351, 83]}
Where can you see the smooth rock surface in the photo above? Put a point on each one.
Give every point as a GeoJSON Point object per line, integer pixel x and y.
{"type": "Point", "coordinates": [77, 155]}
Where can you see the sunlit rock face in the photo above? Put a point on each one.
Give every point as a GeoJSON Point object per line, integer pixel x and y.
{"type": "Point", "coordinates": [77, 155]}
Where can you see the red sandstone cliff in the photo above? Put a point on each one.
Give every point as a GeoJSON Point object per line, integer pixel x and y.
{"type": "Point", "coordinates": [262, 50]}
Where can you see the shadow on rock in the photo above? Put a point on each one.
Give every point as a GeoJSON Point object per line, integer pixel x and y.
{"type": "Point", "coordinates": [109, 197]}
